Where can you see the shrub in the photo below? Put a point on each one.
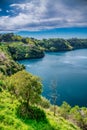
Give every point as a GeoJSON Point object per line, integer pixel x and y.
{"type": "Point", "coordinates": [44, 103]}
{"type": "Point", "coordinates": [33, 112]}
{"type": "Point", "coordinates": [65, 110]}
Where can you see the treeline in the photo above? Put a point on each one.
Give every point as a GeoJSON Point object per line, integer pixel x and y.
{"type": "Point", "coordinates": [52, 44]}
{"type": "Point", "coordinates": [78, 43]}
{"type": "Point", "coordinates": [11, 37]}
{"type": "Point", "coordinates": [57, 44]}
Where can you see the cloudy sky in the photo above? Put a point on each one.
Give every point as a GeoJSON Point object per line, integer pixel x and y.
{"type": "Point", "coordinates": [44, 17]}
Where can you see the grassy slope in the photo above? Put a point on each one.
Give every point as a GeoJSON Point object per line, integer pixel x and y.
{"type": "Point", "coordinates": [8, 105]}
{"type": "Point", "coordinates": [10, 121]}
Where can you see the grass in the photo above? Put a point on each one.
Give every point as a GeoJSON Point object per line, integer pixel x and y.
{"type": "Point", "coordinates": [10, 121]}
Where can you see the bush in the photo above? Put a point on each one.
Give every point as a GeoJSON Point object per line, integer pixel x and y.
{"type": "Point", "coordinates": [32, 113]}
{"type": "Point", "coordinates": [65, 110]}
{"type": "Point", "coordinates": [37, 114]}
{"type": "Point", "coordinates": [44, 103]}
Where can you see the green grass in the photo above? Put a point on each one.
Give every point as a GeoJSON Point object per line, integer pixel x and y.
{"type": "Point", "coordinates": [60, 123]}
{"type": "Point", "coordinates": [10, 121]}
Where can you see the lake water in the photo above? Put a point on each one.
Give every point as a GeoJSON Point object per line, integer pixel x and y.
{"type": "Point", "coordinates": [68, 70]}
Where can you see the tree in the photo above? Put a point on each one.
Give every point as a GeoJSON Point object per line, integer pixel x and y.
{"type": "Point", "coordinates": [7, 37]}
{"type": "Point", "coordinates": [54, 94]}
{"type": "Point", "coordinates": [26, 86]}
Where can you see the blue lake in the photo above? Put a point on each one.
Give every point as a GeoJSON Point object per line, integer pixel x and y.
{"type": "Point", "coordinates": [68, 69]}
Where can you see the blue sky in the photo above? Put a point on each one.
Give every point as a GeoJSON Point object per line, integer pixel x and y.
{"type": "Point", "coordinates": [57, 33]}
{"type": "Point", "coordinates": [44, 18]}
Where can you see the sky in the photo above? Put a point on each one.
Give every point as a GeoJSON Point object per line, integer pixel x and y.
{"type": "Point", "coordinates": [44, 18]}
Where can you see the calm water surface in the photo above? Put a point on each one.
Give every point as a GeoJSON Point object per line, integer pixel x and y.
{"type": "Point", "coordinates": [68, 69]}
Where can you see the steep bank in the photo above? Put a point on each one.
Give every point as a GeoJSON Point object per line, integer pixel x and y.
{"type": "Point", "coordinates": [7, 65]}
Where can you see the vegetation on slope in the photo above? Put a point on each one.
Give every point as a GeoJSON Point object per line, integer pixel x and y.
{"type": "Point", "coordinates": [16, 114]}
{"type": "Point", "coordinates": [20, 51]}
{"type": "Point", "coordinates": [7, 65]}
{"type": "Point", "coordinates": [78, 43]}
{"type": "Point", "coordinates": [9, 120]}
{"type": "Point", "coordinates": [55, 44]}
{"type": "Point", "coordinates": [21, 48]}
{"type": "Point", "coordinates": [21, 104]}
{"type": "Point", "coordinates": [24, 47]}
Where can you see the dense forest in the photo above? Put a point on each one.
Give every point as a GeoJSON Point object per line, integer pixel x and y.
{"type": "Point", "coordinates": [21, 104]}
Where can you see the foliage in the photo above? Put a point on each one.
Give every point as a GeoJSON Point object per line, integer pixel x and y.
{"type": "Point", "coordinates": [75, 114]}
{"type": "Point", "coordinates": [23, 51]}
{"type": "Point", "coordinates": [7, 65]}
{"type": "Point", "coordinates": [26, 86]}
{"type": "Point", "coordinates": [79, 116]}
{"type": "Point", "coordinates": [9, 120]}
{"type": "Point", "coordinates": [65, 110]}
{"type": "Point", "coordinates": [2, 83]}
{"type": "Point", "coordinates": [26, 48]}
{"type": "Point", "coordinates": [33, 112]}
{"type": "Point", "coordinates": [78, 43]}
{"type": "Point", "coordinates": [55, 44]}
{"type": "Point", "coordinates": [25, 89]}
{"type": "Point", "coordinates": [44, 103]}
{"type": "Point", "coordinates": [9, 37]}
{"type": "Point", "coordinates": [8, 107]}
{"type": "Point", "coordinates": [60, 123]}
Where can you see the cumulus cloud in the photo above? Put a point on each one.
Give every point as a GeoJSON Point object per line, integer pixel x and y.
{"type": "Point", "coordinates": [45, 14]}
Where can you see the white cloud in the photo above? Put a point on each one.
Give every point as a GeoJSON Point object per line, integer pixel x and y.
{"type": "Point", "coordinates": [36, 9]}
{"type": "Point", "coordinates": [44, 14]}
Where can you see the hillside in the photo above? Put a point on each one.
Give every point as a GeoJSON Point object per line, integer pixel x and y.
{"type": "Point", "coordinates": [15, 113]}
{"type": "Point", "coordinates": [9, 120]}
{"type": "Point", "coordinates": [21, 104]}
{"type": "Point", "coordinates": [7, 65]}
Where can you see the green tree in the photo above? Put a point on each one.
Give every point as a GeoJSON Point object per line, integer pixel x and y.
{"type": "Point", "coordinates": [26, 86]}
